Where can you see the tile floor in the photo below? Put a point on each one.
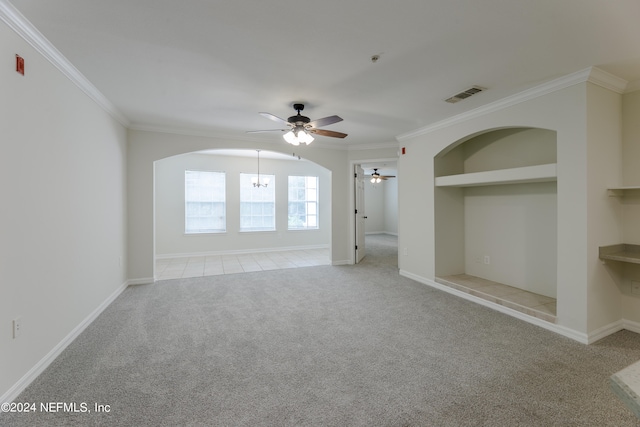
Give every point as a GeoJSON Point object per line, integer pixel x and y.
{"type": "Point", "coordinates": [536, 305]}
{"type": "Point", "coordinates": [177, 268]}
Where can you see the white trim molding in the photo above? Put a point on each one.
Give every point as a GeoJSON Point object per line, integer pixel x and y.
{"type": "Point", "coordinates": [39, 367]}
{"type": "Point", "coordinates": [21, 26]}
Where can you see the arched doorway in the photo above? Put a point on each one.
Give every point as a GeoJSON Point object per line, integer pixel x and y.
{"type": "Point", "coordinates": [234, 249]}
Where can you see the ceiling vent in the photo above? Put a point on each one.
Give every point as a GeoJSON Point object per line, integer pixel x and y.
{"type": "Point", "coordinates": [464, 94]}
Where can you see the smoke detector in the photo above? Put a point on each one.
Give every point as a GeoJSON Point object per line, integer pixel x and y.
{"type": "Point", "coordinates": [464, 94]}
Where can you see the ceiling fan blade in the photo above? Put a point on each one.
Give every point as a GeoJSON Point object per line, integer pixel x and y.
{"type": "Point", "coordinates": [330, 133]}
{"type": "Point", "coordinates": [274, 118]}
{"type": "Point", "coordinates": [388, 176]}
{"type": "Point", "coordinates": [325, 121]}
{"type": "Point", "coordinates": [267, 130]}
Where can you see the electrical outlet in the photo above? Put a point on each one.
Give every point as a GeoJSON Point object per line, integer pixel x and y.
{"type": "Point", "coordinates": [17, 327]}
{"type": "Point", "coordinates": [635, 288]}
{"type": "Point", "coordinates": [487, 259]}
{"type": "Point", "coordinates": [405, 251]}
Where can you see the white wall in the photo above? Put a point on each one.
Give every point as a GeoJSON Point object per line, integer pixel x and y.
{"type": "Point", "coordinates": [374, 201]}
{"type": "Point", "coordinates": [515, 225]}
{"type": "Point", "coordinates": [63, 223]}
{"type": "Point", "coordinates": [391, 206]}
{"type": "Point", "coordinates": [169, 205]}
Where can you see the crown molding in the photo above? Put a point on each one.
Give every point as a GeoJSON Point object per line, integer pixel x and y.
{"type": "Point", "coordinates": [591, 74]}
{"type": "Point", "coordinates": [633, 86]}
{"type": "Point", "coordinates": [27, 31]}
{"type": "Point", "coordinates": [374, 146]}
{"type": "Point", "coordinates": [607, 80]}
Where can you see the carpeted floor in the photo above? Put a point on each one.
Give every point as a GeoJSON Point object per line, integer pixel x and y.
{"type": "Point", "coordinates": [325, 346]}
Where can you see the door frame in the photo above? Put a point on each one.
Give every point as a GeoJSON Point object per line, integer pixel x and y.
{"type": "Point", "coordinates": [352, 201]}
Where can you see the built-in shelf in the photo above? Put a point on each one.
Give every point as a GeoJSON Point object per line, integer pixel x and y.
{"type": "Point", "coordinates": [621, 252]}
{"type": "Point", "coordinates": [526, 174]}
{"type": "Point", "coordinates": [532, 304]}
{"type": "Point", "coordinates": [621, 191]}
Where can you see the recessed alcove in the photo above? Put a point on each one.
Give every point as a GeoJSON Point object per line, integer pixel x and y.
{"type": "Point", "coordinates": [496, 218]}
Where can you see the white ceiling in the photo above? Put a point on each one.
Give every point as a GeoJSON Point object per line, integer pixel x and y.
{"type": "Point", "coordinates": [209, 66]}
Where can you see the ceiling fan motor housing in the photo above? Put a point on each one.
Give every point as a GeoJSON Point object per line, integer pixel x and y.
{"type": "Point", "coordinates": [299, 119]}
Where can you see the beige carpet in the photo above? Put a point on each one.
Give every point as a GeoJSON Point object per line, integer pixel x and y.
{"type": "Point", "coordinates": [325, 346]}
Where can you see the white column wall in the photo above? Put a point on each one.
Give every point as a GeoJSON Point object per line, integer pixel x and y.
{"type": "Point", "coordinates": [604, 166]}
{"type": "Point", "coordinates": [630, 204]}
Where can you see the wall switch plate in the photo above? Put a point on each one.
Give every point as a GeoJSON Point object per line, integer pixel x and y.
{"type": "Point", "coordinates": [17, 327]}
{"type": "Point", "coordinates": [635, 288]}
{"type": "Point", "coordinates": [487, 259]}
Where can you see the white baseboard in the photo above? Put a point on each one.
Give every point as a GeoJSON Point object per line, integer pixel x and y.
{"type": "Point", "coordinates": [241, 251]}
{"type": "Point", "coordinates": [606, 330]}
{"type": "Point", "coordinates": [632, 326]}
{"type": "Point", "coordinates": [12, 394]}
{"type": "Point", "coordinates": [559, 329]}
{"type": "Point", "coordinates": [342, 262]}
{"type": "Point", "coordinates": [140, 281]}
{"type": "Point", "coordinates": [612, 328]}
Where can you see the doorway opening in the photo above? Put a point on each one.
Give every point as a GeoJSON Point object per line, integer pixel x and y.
{"type": "Point", "coordinates": [375, 203]}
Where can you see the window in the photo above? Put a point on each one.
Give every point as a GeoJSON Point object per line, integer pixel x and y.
{"type": "Point", "coordinates": [303, 202]}
{"type": "Point", "coordinates": [257, 204]}
{"type": "Point", "coordinates": [204, 200]}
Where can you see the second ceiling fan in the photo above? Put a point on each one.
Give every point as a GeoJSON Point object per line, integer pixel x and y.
{"type": "Point", "coordinates": [301, 127]}
{"type": "Point", "coordinates": [376, 177]}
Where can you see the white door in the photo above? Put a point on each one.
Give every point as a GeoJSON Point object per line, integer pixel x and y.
{"type": "Point", "coordinates": [360, 214]}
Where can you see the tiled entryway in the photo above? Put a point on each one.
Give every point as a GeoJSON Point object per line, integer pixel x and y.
{"type": "Point", "coordinates": [177, 268]}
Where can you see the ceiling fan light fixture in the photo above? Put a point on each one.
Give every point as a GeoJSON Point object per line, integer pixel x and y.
{"type": "Point", "coordinates": [305, 137]}
{"type": "Point", "coordinates": [297, 136]}
{"type": "Point", "coordinates": [291, 138]}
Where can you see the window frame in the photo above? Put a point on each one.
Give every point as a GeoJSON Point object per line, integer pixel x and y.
{"type": "Point", "coordinates": [257, 197]}
{"type": "Point", "coordinates": [205, 230]}
{"type": "Point", "coordinates": [307, 201]}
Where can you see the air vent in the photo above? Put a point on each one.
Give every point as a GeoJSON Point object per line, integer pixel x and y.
{"type": "Point", "coordinates": [464, 94]}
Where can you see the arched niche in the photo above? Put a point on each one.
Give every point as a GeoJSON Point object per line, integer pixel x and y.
{"type": "Point", "coordinates": [495, 205]}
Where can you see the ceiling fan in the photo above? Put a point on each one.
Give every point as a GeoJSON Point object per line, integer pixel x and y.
{"type": "Point", "coordinates": [376, 177]}
{"type": "Point", "coordinates": [299, 127]}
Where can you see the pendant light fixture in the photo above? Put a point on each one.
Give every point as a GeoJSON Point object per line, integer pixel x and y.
{"type": "Point", "coordinates": [256, 180]}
